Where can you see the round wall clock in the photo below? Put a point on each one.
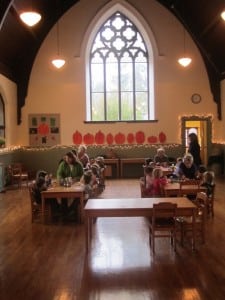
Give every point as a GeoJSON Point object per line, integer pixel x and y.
{"type": "Point", "coordinates": [196, 98]}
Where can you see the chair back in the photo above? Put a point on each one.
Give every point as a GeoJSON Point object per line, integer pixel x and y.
{"type": "Point", "coordinates": [201, 198]}
{"type": "Point", "coordinates": [16, 169]}
{"type": "Point", "coordinates": [164, 210]}
{"type": "Point", "coordinates": [189, 187]}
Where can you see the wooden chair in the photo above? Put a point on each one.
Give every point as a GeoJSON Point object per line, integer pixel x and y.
{"type": "Point", "coordinates": [36, 209]}
{"type": "Point", "coordinates": [186, 225]}
{"type": "Point", "coordinates": [189, 187]}
{"type": "Point", "coordinates": [163, 223]}
{"type": "Point", "coordinates": [18, 174]}
{"type": "Point", "coordinates": [210, 204]}
{"type": "Point", "coordinates": [143, 191]}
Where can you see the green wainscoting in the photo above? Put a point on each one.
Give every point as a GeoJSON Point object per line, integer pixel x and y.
{"type": "Point", "coordinates": [48, 158]}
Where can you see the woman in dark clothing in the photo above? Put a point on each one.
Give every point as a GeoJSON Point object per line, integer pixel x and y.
{"type": "Point", "coordinates": [194, 149]}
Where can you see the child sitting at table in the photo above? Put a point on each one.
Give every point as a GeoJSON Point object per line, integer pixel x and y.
{"type": "Point", "coordinates": [38, 186]}
{"type": "Point", "coordinates": [158, 182]}
{"type": "Point", "coordinates": [86, 180]}
{"type": "Point", "coordinates": [208, 182]}
{"type": "Point", "coordinates": [146, 181]}
{"type": "Point", "coordinates": [41, 183]}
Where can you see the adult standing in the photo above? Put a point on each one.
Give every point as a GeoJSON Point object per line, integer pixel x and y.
{"type": "Point", "coordinates": [194, 148]}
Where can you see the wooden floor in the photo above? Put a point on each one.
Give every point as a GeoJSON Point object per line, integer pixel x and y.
{"type": "Point", "coordinates": [48, 262]}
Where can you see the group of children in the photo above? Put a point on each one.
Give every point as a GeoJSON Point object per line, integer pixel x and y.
{"type": "Point", "coordinates": [92, 178]}
{"type": "Point", "coordinates": [153, 181]}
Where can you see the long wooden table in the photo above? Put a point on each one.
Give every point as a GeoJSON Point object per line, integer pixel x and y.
{"type": "Point", "coordinates": [129, 161]}
{"type": "Point", "coordinates": [173, 189]}
{"type": "Point", "coordinates": [132, 207]}
{"type": "Point", "coordinates": [113, 162]}
{"type": "Point", "coordinates": [59, 192]}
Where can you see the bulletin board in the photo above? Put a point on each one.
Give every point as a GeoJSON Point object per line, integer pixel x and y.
{"type": "Point", "coordinates": [44, 129]}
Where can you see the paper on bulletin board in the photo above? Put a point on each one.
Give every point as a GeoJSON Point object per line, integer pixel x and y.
{"type": "Point", "coordinates": [44, 129]}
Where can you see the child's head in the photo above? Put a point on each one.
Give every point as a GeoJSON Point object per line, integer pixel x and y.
{"type": "Point", "coordinates": [208, 177]}
{"type": "Point", "coordinates": [161, 152]}
{"type": "Point", "coordinates": [148, 170]}
{"type": "Point", "coordinates": [179, 159]}
{"type": "Point", "coordinates": [157, 173]}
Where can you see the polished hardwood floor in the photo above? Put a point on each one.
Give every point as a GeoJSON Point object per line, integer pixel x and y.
{"type": "Point", "coordinates": [48, 262]}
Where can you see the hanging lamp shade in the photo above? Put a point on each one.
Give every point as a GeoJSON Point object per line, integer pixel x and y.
{"type": "Point", "coordinates": [30, 18]}
{"type": "Point", "coordinates": [184, 61]}
{"type": "Point", "coordinates": [223, 15]}
{"type": "Point", "coordinates": [58, 62]}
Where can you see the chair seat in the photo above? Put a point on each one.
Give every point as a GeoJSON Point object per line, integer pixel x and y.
{"type": "Point", "coordinates": [160, 222]}
{"type": "Point", "coordinates": [186, 223]}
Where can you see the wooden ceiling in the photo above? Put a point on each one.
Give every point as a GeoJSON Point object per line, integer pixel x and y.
{"type": "Point", "coordinates": [19, 44]}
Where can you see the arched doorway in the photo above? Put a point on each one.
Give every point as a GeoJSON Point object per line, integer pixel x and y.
{"type": "Point", "coordinates": [202, 126]}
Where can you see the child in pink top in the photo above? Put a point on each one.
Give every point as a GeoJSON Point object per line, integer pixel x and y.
{"type": "Point", "coordinates": [158, 182]}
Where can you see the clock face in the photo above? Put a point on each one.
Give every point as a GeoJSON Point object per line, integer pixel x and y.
{"type": "Point", "coordinates": [196, 98]}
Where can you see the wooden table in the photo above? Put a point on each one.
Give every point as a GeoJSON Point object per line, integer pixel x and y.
{"type": "Point", "coordinates": [173, 189]}
{"type": "Point", "coordinates": [166, 170]}
{"type": "Point", "coordinates": [113, 162]}
{"type": "Point", "coordinates": [125, 161]}
{"type": "Point", "coordinates": [132, 207]}
{"type": "Point", "coordinates": [59, 192]}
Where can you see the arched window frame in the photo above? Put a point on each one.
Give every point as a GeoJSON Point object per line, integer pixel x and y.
{"type": "Point", "coordinates": [148, 38]}
{"type": "Point", "coordinates": [2, 116]}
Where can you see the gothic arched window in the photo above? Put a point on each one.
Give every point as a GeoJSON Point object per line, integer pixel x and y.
{"type": "Point", "coordinates": [119, 73]}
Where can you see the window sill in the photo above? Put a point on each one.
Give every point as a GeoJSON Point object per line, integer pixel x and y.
{"type": "Point", "coordinates": [109, 122]}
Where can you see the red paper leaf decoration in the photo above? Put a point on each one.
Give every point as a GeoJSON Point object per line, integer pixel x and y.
{"type": "Point", "coordinates": [43, 129]}
{"type": "Point", "coordinates": [130, 138]}
{"type": "Point", "coordinates": [109, 138]}
{"type": "Point", "coordinates": [152, 139]}
{"type": "Point", "coordinates": [88, 139]}
{"type": "Point", "coordinates": [120, 138]}
{"type": "Point", "coordinates": [99, 137]}
{"type": "Point", "coordinates": [162, 137]}
{"type": "Point", "coordinates": [77, 137]}
{"type": "Point", "coordinates": [140, 137]}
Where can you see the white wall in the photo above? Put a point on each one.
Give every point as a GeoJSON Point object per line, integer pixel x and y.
{"type": "Point", "coordinates": [63, 91]}
{"type": "Point", "coordinates": [8, 90]}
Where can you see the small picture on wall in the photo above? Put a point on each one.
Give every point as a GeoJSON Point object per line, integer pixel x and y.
{"type": "Point", "coordinates": [33, 130]}
{"type": "Point", "coordinates": [44, 129]}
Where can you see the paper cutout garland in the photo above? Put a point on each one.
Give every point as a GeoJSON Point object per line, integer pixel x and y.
{"type": "Point", "coordinates": [119, 138]}
{"type": "Point", "coordinates": [99, 138]}
{"type": "Point", "coordinates": [109, 138]}
{"type": "Point", "coordinates": [140, 137]}
{"type": "Point", "coordinates": [77, 138]}
{"type": "Point", "coordinates": [88, 139]}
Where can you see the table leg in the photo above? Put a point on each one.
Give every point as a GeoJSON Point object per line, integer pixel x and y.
{"type": "Point", "coordinates": [194, 228]}
{"type": "Point", "coordinates": [86, 220]}
{"type": "Point", "coordinates": [81, 217]}
{"type": "Point", "coordinates": [43, 209]}
{"type": "Point", "coordinates": [88, 231]}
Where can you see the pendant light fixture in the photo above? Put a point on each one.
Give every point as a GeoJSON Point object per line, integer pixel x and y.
{"type": "Point", "coordinates": [30, 17]}
{"type": "Point", "coordinates": [58, 61]}
{"type": "Point", "coordinates": [223, 15]}
{"type": "Point", "coordinates": [185, 60]}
